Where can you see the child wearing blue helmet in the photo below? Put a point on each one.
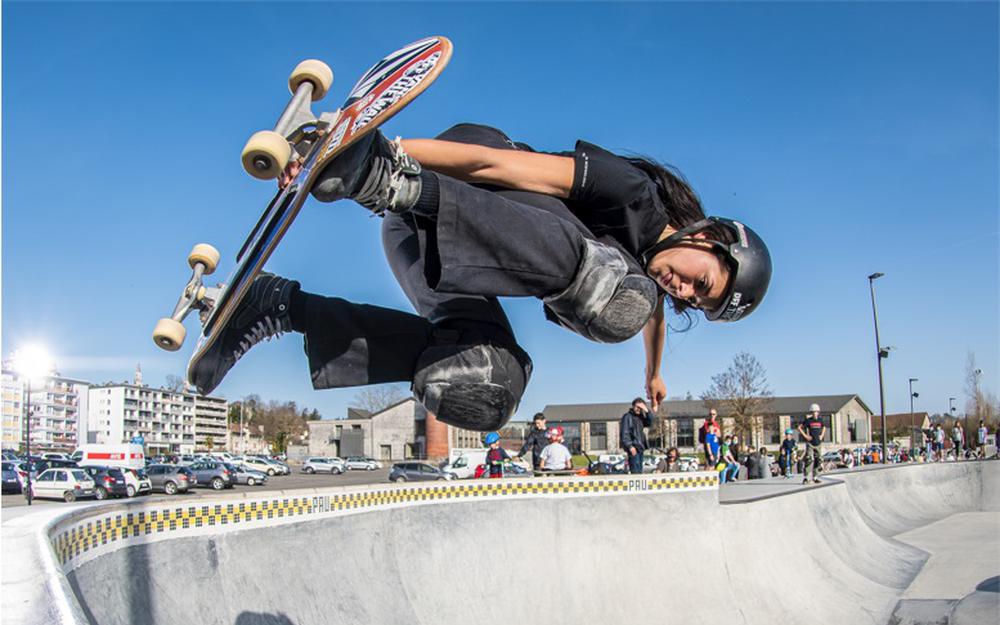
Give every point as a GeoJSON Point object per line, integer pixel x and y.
{"type": "Point", "coordinates": [788, 452]}
{"type": "Point", "coordinates": [496, 456]}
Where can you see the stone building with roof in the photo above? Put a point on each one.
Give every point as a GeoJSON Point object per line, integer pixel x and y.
{"type": "Point", "coordinates": [402, 431]}
{"type": "Point", "coordinates": [594, 427]}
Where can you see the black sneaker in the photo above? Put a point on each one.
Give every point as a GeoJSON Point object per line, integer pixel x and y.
{"type": "Point", "coordinates": [375, 173]}
{"type": "Point", "coordinates": [262, 315]}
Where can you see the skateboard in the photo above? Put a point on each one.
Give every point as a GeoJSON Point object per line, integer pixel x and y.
{"type": "Point", "coordinates": [313, 142]}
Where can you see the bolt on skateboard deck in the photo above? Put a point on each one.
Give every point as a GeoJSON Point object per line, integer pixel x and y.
{"type": "Point", "coordinates": [312, 141]}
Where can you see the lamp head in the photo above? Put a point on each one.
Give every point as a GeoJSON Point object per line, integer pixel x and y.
{"type": "Point", "coordinates": [33, 362]}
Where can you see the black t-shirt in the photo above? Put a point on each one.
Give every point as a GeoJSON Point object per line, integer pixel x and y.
{"type": "Point", "coordinates": [814, 428]}
{"type": "Point", "coordinates": [615, 199]}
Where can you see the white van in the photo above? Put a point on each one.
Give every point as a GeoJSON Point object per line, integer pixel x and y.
{"type": "Point", "coordinates": [125, 455]}
{"type": "Point", "coordinates": [462, 463]}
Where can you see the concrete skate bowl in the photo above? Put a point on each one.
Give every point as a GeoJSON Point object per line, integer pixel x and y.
{"type": "Point", "coordinates": [649, 549]}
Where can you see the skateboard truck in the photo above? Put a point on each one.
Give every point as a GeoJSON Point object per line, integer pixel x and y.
{"type": "Point", "coordinates": [268, 152]}
{"type": "Point", "coordinates": [169, 332]}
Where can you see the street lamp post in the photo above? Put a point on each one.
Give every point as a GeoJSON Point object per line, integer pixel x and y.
{"type": "Point", "coordinates": [880, 355]}
{"type": "Point", "coordinates": [27, 438]}
{"type": "Point", "coordinates": [913, 429]}
{"type": "Point", "coordinates": [31, 362]}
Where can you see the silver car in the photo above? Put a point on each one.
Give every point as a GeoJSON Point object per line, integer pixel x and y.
{"type": "Point", "coordinates": [247, 475]}
{"type": "Point", "coordinates": [362, 463]}
{"type": "Point", "coordinates": [334, 466]}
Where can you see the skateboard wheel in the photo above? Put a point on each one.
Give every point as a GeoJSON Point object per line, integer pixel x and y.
{"type": "Point", "coordinates": [169, 334]}
{"type": "Point", "coordinates": [206, 255]}
{"type": "Point", "coordinates": [266, 154]}
{"type": "Point", "coordinates": [316, 72]}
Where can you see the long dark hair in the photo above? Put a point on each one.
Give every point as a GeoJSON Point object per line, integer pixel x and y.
{"type": "Point", "coordinates": [683, 209]}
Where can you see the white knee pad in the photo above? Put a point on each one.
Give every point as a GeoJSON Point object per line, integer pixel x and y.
{"type": "Point", "coordinates": [604, 302]}
{"type": "Point", "coordinates": [473, 387]}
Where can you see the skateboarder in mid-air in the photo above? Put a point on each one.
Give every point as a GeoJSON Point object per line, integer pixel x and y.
{"type": "Point", "coordinates": [471, 216]}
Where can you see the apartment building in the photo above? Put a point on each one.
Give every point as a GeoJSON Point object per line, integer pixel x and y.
{"type": "Point", "coordinates": [210, 418]}
{"type": "Point", "coordinates": [168, 421]}
{"type": "Point", "coordinates": [58, 411]}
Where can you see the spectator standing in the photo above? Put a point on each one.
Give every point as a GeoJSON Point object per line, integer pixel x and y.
{"type": "Point", "coordinates": [632, 434]}
{"type": "Point", "coordinates": [710, 434]}
{"type": "Point", "coordinates": [981, 434]}
{"type": "Point", "coordinates": [495, 456]}
{"type": "Point", "coordinates": [813, 430]}
{"type": "Point", "coordinates": [556, 456]}
{"type": "Point", "coordinates": [938, 445]}
{"type": "Point", "coordinates": [671, 463]}
{"type": "Point", "coordinates": [536, 440]}
{"type": "Point", "coordinates": [958, 439]}
{"type": "Point", "coordinates": [787, 458]}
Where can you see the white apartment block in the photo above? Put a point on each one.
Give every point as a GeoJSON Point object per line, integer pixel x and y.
{"type": "Point", "coordinates": [210, 418]}
{"type": "Point", "coordinates": [171, 422]}
{"type": "Point", "coordinates": [58, 412]}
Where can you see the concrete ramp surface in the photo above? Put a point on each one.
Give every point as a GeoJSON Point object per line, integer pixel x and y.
{"type": "Point", "coordinates": [649, 549]}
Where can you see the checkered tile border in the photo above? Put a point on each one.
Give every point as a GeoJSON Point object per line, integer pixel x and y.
{"type": "Point", "coordinates": [73, 541]}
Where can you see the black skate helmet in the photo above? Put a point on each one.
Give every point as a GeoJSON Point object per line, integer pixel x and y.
{"type": "Point", "coordinates": [748, 260]}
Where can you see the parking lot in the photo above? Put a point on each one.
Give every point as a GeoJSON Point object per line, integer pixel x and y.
{"type": "Point", "coordinates": [277, 482]}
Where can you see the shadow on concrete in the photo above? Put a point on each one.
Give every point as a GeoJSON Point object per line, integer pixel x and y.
{"type": "Point", "coordinates": [259, 618]}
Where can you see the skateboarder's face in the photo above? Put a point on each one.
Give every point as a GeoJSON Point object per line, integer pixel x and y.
{"type": "Point", "coordinates": [691, 272]}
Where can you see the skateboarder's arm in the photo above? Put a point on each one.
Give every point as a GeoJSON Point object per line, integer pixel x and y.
{"type": "Point", "coordinates": [653, 334]}
{"type": "Point", "coordinates": [514, 169]}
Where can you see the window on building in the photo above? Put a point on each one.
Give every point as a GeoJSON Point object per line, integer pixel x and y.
{"type": "Point", "coordinates": [772, 431]}
{"type": "Point", "coordinates": [685, 433]}
{"type": "Point", "coordinates": [571, 435]}
{"type": "Point", "coordinates": [598, 435]}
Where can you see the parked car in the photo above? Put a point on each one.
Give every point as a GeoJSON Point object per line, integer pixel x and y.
{"type": "Point", "coordinates": [212, 474]}
{"type": "Point", "coordinates": [11, 479]}
{"type": "Point", "coordinates": [56, 456]}
{"type": "Point", "coordinates": [65, 484]}
{"type": "Point", "coordinates": [279, 465]}
{"type": "Point", "coordinates": [417, 472]}
{"type": "Point", "coordinates": [259, 464]}
{"type": "Point", "coordinates": [170, 479]}
{"type": "Point", "coordinates": [245, 474]}
{"type": "Point", "coordinates": [140, 479]}
{"type": "Point", "coordinates": [335, 466]}
{"type": "Point", "coordinates": [361, 463]}
{"type": "Point", "coordinates": [108, 481]}
{"type": "Point", "coordinates": [10, 456]}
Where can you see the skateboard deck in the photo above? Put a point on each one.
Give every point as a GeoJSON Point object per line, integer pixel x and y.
{"type": "Point", "coordinates": [384, 90]}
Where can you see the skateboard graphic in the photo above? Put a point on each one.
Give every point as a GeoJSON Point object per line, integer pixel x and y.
{"type": "Point", "coordinates": [311, 141]}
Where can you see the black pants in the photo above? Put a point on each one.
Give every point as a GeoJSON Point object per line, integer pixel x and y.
{"type": "Point", "coordinates": [452, 264]}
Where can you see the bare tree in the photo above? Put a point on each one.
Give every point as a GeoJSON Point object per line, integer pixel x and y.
{"type": "Point", "coordinates": [379, 397]}
{"type": "Point", "coordinates": [175, 383]}
{"type": "Point", "coordinates": [741, 393]}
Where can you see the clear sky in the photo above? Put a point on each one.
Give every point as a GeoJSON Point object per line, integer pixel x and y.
{"type": "Point", "coordinates": [855, 137]}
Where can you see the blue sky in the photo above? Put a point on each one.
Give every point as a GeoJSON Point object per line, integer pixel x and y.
{"type": "Point", "coordinates": [855, 137]}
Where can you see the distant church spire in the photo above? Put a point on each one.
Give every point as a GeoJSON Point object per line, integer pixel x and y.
{"type": "Point", "coordinates": [138, 375]}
